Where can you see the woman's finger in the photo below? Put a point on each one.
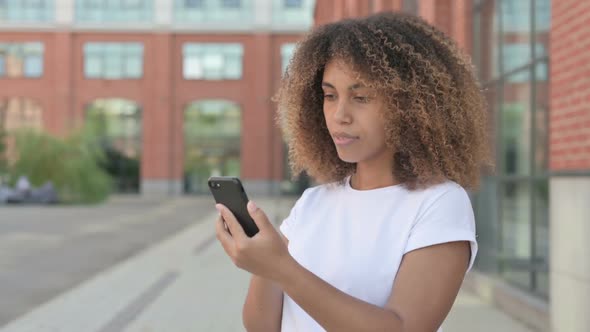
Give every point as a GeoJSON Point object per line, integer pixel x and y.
{"type": "Point", "coordinates": [223, 235]}
{"type": "Point", "coordinates": [236, 230]}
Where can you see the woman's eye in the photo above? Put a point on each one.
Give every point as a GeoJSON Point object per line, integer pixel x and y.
{"type": "Point", "coordinates": [363, 100]}
{"type": "Point", "coordinates": [329, 96]}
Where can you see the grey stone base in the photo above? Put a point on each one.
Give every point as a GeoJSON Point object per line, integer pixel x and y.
{"type": "Point", "coordinates": [570, 263]}
{"type": "Point", "coordinates": [161, 187]}
{"type": "Point", "coordinates": [516, 303]}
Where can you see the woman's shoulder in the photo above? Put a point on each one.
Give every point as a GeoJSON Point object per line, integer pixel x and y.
{"type": "Point", "coordinates": [446, 187]}
{"type": "Point", "coordinates": [447, 195]}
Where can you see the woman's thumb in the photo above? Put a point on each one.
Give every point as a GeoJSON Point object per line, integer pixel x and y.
{"type": "Point", "coordinates": [258, 215]}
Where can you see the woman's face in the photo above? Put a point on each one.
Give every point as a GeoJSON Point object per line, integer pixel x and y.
{"type": "Point", "coordinates": [353, 116]}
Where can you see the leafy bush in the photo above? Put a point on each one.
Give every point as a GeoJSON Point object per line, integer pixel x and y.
{"type": "Point", "coordinates": [70, 163]}
{"type": "Point", "coordinates": [3, 163]}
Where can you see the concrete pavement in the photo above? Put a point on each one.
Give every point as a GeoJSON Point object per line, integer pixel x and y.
{"type": "Point", "coordinates": [186, 283]}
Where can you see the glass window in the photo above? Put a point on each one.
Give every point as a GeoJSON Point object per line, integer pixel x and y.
{"type": "Point", "coordinates": [516, 127]}
{"type": "Point", "coordinates": [293, 12]}
{"type": "Point", "coordinates": [486, 218]}
{"type": "Point", "coordinates": [293, 3]}
{"type": "Point", "coordinates": [211, 61]}
{"type": "Point", "coordinates": [114, 10]}
{"type": "Point", "coordinates": [541, 119]}
{"type": "Point", "coordinates": [516, 34]}
{"type": "Point", "coordinates": [33, 66]}
{"type": "Point", "coordinates": [17, 113]}
{"type": "Point", "coordinates": [541, 234]}
{"type": "Point", "coordinates": [542, 15]}
{"type": "Point", "coordinates": [515, 221]}
{"type": "Point", "coordinates": [512, 205]}
{"type": "Point", "coordinates": [27, 10]}
{"type": "Point", "coordinates": [516, 15]}
{"type": "Point", "coordinates": [212, 131]}
{"type": "Point", "coordinates": [199, 11]}
{"type": "Point", "coordinates": [231, 3]}
{"type": "Point", "coordinates": [542, 26]}
{"type": "Point", "coordinates": [21, 59]}
{"type": "Point", "coordinates": [117, 125]}
{"type": "Point", "coordinates": [193, 3]}
{"type": "Point", "coordinates": [113, 60]}
{"type": "Point", "coordinates": [287, 51]}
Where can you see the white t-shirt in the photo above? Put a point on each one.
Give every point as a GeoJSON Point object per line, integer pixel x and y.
{"type": "Point", "coordinates": [355, 239]}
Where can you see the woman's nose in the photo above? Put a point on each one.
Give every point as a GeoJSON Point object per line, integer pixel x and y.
{"type": "Point", "coordinates": [342, 114]}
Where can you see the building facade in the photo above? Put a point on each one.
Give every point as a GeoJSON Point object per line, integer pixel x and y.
{"type": "Point", "coordinates": [181, 88]}
{"type": "Point", "coordinates": [533, 216]}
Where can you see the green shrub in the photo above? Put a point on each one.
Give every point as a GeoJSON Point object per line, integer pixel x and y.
{"type": "Point", "coordinates": [3, 163]}
{"type": "Point", "coordinates": [70, 163]}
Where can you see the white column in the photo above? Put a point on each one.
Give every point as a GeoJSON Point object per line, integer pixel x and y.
{"type": "Point", "coordinates": [570, 254]}
{"type": "Point", "coordinates": [263, 11]}
{"type": "Point", "coordinates": [64, 12]}
{"type": "Point", "coordinates": [163, 12]}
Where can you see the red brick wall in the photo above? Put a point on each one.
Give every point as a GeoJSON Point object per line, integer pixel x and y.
{"type": "Point", "coordinates": [451, 16]}
{"type": "Point", "coordinates": [570, 87]}
{"type": "Point", "coordinates": [41, 90]}
{"type": "Point", "coordinates": [162, 93]}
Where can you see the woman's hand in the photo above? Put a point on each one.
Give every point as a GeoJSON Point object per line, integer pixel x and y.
{"type": "Point", "coordinates": [265, 254]}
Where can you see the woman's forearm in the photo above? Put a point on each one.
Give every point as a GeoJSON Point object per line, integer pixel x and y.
{"type": "Point", "coordinates": [333, 309]}
{"type": "Point", "coordinates": [264, 305]}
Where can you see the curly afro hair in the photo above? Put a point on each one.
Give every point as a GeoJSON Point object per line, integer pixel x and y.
{"type": "Point", "coordinates": [435, 114]}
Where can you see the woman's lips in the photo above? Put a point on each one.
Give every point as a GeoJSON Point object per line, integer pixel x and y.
{"type": "Point", "coordinates": [344, 139]}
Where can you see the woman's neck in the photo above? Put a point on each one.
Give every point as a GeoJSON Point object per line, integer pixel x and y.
{"type": "Point", "coordinates": [367, 177]}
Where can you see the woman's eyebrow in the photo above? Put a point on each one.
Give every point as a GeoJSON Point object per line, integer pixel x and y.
{"type": "Point", "coordinates": [352, 87]}
{"type": "Point", "coordinates": [327, 85]}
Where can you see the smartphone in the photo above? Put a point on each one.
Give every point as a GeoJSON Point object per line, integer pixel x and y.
{"type": "Point", "coordinates": [228, 190]}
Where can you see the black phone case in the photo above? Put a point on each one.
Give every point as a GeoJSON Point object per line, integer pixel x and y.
{"type": "Point", "coordinates": [229, 191]}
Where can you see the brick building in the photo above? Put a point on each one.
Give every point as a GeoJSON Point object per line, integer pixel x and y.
{"type": "Point", "coordinates": [533, 216]}
{"type": "Point", "coordinates": [177, 83]}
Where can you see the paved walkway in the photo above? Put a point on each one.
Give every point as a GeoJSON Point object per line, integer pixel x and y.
{"type": "Point", "coordinates": [186, 283]}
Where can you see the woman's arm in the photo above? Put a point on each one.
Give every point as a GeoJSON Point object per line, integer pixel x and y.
{"type": "Point", "coordinates": [264, 305]}
{"type": "Point", "coordinates": [425, 288]}
{"type": "Point", "coordinates": [263, 308]}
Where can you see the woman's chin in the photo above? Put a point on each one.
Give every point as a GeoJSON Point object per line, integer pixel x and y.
{"type": "Point", "coordinates": [347, 158]}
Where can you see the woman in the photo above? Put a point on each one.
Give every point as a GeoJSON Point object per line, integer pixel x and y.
{"type": "Point", "coordinates": [385, 113]}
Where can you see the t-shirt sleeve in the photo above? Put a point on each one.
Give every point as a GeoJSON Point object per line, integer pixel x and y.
{"type": "Point", "coordinates": [448, 218]}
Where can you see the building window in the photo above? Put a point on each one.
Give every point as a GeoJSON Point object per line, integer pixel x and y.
{"type": "Point", "coordinates": [114, 11]}
{"type": "Point", "coordinates": [293, 3]}
{"type": "Point", "coordinates": [293, 12]}
{"type": "Point", "coordinates": [193, 4]}
{"type": "Point", "coordinates": [287, 51]}
{"type": "Point", "coordinates": [21, 59]}
{"type": "Point", "coordinates": [511, 54]}
{"type": "Point", "coordinates": [113, 60]}
{"type": "Point", "coordinates": [212, 132]}
{"type": "Point", "coordinates": [206, 11]}
{"type": "Point", "coordinates": [209, 61]}
{"type": "Point", "coordinates": [26, 10]}
{"type": "Point", "coordinates": [516, 55]}
{"type": "Point", "coordinates": [516, 15]}
{"type": "Point", "coordinates": [231, 3]}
